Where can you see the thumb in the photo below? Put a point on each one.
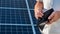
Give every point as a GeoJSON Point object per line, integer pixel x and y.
{"type": "Point", "coordinates": [51, 16]}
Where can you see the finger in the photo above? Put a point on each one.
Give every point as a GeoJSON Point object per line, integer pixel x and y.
{"type": "Point", "coordinates": [51, 16]}
{"type": "Point", "coordinates": [52, 20]}
{"type": "Point", "coordinates": [41, 10]}
{"type": "Point", "coordinates": [37, 16]}
{"type": "Point", "coordinates": [38, 13]}
{"type": "Point", "coordinates": [41, 13]}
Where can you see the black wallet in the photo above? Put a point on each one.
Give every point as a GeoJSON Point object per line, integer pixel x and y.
{"type": "Point", "coordinates": [41, 21]}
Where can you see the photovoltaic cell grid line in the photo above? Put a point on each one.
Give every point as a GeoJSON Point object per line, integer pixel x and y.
{"type": "Point", "coordinates": [14, 17]}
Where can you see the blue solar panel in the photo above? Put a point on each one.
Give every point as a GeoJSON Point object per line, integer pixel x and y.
{"type": "Point", "coordinates": [16, 17]}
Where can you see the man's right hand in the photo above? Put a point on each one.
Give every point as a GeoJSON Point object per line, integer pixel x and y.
{"type": "Point", "coordinates": [38, 9]}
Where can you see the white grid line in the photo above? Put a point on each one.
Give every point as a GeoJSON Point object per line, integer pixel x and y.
{"type": "Point", "coordinates": [30, 17]}
{"type": "Point", "coordinates": [5, 21]}
{"type": "Point", "coordinates": [0, 18]}
{"type": "Point", "coordinates": [10, 19]}
{"type": "Point", "coordinates": [14, 8]}
{"type": "Point", "coordinates": [18, 24]}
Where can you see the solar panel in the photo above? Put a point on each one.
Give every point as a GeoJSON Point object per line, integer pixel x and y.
{"type": "Point", "coordinates": [17, 17]}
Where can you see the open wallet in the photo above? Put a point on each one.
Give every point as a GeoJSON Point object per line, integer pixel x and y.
{"type": "Point", "coordinates": [42, 21]}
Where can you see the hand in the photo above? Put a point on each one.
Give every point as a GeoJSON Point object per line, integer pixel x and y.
{"type": "Point", "coordinates": [38, 9]}
{"type": "Point", "coordinates": [54, 17]}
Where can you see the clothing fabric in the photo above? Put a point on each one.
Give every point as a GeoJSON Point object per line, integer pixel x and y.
{"type": "Point", "coordinates": [53, 28]}
{"type": "Point", "coordinates": [48, 4]}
